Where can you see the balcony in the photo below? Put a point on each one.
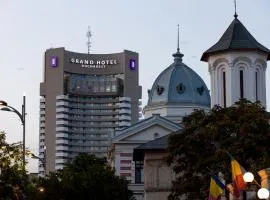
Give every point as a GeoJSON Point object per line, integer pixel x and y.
{"type": "Point", "coordinates": [126, 111]}
{"type": "Point", "coordinates": [61, 141]}
{"type": "Point", "coordinates": [61, 135]}
{"type": "Point", "coordinates": [62, 116]}
{"type": "Point", "coordinates": [62, 97]}
{"type": "Point", "coordinates": [61, 148]}
{"type": "Point", "coordinates": [124, 117]}
{"type": "Point", "coordinates": [61, 154]}
{"type": "Point", "coordinates": [60, 161]}
{"type": "Point", "coordinates": [61, 122]}
{"type": "Point", "coordinates": [66, 110]}
{"type": "Point", "coordinates": [60, 129]}
{"type": "Point", "coordinates": [62, 103]}
{"type": "Point", "coordinates": [125, 105]}
{"type": "Point", "coordinates": [124, 99]}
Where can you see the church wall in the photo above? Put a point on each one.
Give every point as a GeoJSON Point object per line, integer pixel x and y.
{"type": "Point", "coordinates": [232, 63]}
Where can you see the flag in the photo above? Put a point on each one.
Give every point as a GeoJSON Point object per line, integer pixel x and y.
{"type": "Point", "coordinates": [237, 177]}
{"type": "Point", "coordinates": [216, 188]}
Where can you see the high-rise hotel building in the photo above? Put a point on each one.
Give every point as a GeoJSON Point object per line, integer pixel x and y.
{"type": "Point", "coordinates": [85, 100]}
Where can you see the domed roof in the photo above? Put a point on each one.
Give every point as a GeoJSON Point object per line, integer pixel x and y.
{"type": "Point", "coordinates": [179, 84]}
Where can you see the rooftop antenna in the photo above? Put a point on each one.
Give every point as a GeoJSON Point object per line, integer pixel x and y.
{"type": "Point", "coordinates": [235, 13]}
{"type": "Point", "coordinates": [88, 35]}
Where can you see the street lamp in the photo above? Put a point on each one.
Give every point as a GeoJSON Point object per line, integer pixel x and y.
{"type": "Point", "coordinates": [262, 193]}
{"type": "Point", "coordinates": [21, 115]}
{"type": "Point", "coordinates": [42, 160]}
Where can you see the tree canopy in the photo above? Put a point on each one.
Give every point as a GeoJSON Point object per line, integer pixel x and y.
{"type": "Point", "coordinates": [13, 179]}
{"type": "Point", "coordinates": [86, 177]}
{"type": "Point", "coordinates": [242, 130]}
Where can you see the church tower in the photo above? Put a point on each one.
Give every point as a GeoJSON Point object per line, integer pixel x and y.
{"type": "Point", "coordinates": [237, 65]}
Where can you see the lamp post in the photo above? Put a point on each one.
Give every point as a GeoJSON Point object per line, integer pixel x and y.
{"type": "Point", "coordinates": [42, 160]}
{"type": "Point", "coordinates": [21, 115]}
{"type": "Point", "coordinates": [263, 193]}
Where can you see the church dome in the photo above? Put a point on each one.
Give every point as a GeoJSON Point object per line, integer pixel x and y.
{"type": "Point", "coordinates": [179, 84]}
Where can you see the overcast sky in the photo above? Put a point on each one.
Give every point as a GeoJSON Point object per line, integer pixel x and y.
{"type": "Point", "coordinates": [148, 27]}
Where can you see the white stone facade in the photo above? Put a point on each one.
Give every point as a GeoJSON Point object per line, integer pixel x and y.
{"type": "Point", "coordinates": [225, 73]}
{"type": "Point", "coordinates": [173, 112]}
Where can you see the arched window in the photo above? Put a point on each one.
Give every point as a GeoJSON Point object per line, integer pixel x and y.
{"type": "Point", "coordinates": [241, 78]}
{"type": "Point", "coordinates": [256, 85]}
{"type": "Point", "coordinates": [224, 88]}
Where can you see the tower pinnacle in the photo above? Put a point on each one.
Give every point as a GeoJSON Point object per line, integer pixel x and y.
{"type": "Point", "coordinates": [178, 55]}
{"type": "Point", "coordinates": [235, 13]}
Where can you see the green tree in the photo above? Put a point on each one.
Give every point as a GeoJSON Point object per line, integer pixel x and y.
{"type": "Point", "coordinates": [242, 130]}
{"type": "Point", "coordinates": [13, 178]}
{"type": "Point", "coordinates": [86, 177]}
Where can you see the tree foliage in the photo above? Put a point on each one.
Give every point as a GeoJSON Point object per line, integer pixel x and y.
{"type": "Point", "coordinates": [86, 177]}
{"type": "Point", "coordinates": [13, 179]}
{"type": "Point", "coordinates": [242, 130]}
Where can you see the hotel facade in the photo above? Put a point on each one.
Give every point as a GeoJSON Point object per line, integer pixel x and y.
{"type": "Point", "coordinates": [85, 100]}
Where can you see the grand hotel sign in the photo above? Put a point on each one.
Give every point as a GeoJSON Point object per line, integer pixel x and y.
{"type": "Point", "coordinates": [95, 64]}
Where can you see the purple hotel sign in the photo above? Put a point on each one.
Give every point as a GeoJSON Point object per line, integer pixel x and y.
{"type": "Point", "coordinates": [54, 61]}
{"type": "Point", "coordinates": [132, 64]}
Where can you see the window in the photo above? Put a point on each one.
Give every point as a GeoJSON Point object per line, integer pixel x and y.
{"type": "Point", "coordinates": [256, 85]}
{"type": "Point", "coordinates": [125, 161]}
{"type": "Point", "coordinates": [125, 168]}
{"type": "Point", "coordinates": [224, 89]}
{"type": "Point", "coordinates": [126, 154]}
{"type": "Point", "coordinates": [139, 173]}
{"type": "Point", "coordinates": [241, 84]}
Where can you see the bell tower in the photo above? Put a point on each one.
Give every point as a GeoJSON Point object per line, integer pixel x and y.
{"type": "Point", "coordinates": [237, 65]}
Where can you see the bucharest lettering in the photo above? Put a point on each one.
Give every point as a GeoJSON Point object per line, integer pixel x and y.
{"type": "Point", "coordinates": [97, 64]}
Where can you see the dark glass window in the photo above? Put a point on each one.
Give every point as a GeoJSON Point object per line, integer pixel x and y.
{"type": "Point", "coordinates": [256, 85]}
{"type": "Point", "coordinates": [241, 84]}
{"type": "Point", "coordinates": [224, 89]}
{"type": "Point", "coordinates": [139, 173]}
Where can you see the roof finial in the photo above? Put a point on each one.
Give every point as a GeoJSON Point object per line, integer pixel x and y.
{"type": "Point", "coordinates": [178, 50]}
{"type": "Point", "coordinates": [88, 35]}
{"type": "Point", "coordinates": [235, 14]}
{"type": "Point", "coordinates": [178, 55]}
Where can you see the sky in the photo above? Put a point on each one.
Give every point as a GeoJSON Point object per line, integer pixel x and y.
{"type": "Point", "coordinates": [148, 27]}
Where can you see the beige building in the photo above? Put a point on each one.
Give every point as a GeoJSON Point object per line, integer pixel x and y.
{"type": "Point", "coordinates": [157, 175]}
{"type": "Point", "coordinates": [132, 137]}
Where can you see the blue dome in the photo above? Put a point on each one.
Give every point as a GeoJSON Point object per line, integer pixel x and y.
{"type": "Point", "coordinates": [179, 84]}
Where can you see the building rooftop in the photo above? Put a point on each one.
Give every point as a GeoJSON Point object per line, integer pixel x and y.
{"type": "Point", "coordinates": [236, 37]}
{"type": "Point", "coordinates": [178, 84]}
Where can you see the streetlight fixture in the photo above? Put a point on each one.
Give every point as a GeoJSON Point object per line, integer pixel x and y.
{"type": "Point", "coordinates": [21, 115]}
{"type": "Point", "coordinates": [42, 160]}
{"type": "Point", "coordinates": [248, 177]}
{"type": "Point", "coordinates": [262, 193]}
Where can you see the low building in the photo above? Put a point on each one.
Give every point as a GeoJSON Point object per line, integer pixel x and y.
{"type": "Point", "coordinates": [128, 139]}
{"type": "Point", "coordinates": [158, 176]}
